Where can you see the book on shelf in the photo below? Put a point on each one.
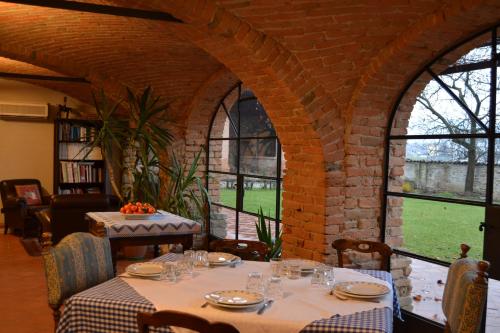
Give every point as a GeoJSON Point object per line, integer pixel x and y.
{"type": "Point", "coordinates": [77, 151]}
{"type": "Point", "coordinates": [71, 132]}
{"type": "Point", "coordinates": [81, 172]}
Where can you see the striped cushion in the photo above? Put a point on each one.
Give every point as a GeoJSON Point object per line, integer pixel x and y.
{"type": "Point", "coordinates": [78, 262]}
{"type": "Point", "coordinates": [463, 300]}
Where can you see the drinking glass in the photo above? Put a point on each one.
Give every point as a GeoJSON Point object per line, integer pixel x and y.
{"type": "Point", "coordinates": [254, 282]}
{"type": "Point", "coordinates": [329, 277]}
{"type": "Point", "coordinates": [187, 265]}
{"type": "Point", "coordinates": [294, 271]}
{"type": "Point", "coordinates": [274, 288]}
{"type": "Point", "coordinates": [276, 267]}
{"type": "Point", "coordinates": [170, 271]}
{"type": "Point", "coordinates": [190, 254]}
{"type": "Point", "coordinates": [318, 276]}
{"type": "Point", "coordinates": [201, 259]}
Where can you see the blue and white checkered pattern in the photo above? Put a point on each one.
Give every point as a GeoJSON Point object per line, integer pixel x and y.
{"type": "Point", "coordinates": [113, 306]}
{"type": "Point", "coordinates": [373, 321]}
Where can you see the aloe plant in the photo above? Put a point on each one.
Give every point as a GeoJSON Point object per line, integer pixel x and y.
{"type": "Point", "coordinates": [264, 234]}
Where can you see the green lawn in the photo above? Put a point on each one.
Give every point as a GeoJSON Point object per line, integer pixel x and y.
{"type": "Point", "coordinates": [436, 229]}
{"type": "Point", "coordinates": [252, 201]}
{"type": "Point", "coordinates": [431, 228]}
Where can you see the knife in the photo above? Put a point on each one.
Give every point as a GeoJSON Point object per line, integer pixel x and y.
{"type": "Point", "coordinates": [265, 306]}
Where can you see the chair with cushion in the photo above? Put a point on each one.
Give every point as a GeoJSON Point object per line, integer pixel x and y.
{"type": "Point", "coordinates": [465, 294]}
{"type": "Point", "coordinates": [21, 199]}
{"type": "Point", "coordinates": [246, 249]}
{"type": "Point", "coordinates": [181, 319]}
{"type": "Point", "coordinates": [78, 262]}
{"type": "Point", "coordinates": [66, 213]}
{"type": "Point", "coordinates": [362, 246]}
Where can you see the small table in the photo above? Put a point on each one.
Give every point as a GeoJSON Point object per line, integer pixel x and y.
{"type": "Point", "coordinates": [164, 228]}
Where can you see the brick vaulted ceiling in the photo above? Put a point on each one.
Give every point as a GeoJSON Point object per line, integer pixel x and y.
{"type": "Point", "coordinates": [335, 42]}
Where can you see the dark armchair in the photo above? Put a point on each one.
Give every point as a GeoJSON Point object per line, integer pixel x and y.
{"type": "Point", "coordinates": [21, 199]}
{"type": "Point", "coordinates": [66, 213]}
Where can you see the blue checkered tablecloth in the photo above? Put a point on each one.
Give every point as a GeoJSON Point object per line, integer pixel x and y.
{"type": "Point", "coordinates": [373, 321]}
{"type": "Point", "coordinates": [113, 306]}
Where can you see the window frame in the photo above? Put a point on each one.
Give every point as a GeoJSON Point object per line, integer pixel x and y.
{"type": "Point", "coordinates": [490, 134]}
{"type": "Point", "coordinates": [238, 174]}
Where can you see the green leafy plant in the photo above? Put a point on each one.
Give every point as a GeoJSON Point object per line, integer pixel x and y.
{"type": "Point", "coordinates": [264, 234]}
{"type": "Point", "coordinates": [137, 132]}
{"type": "Point", "coordinates": [185, 194]}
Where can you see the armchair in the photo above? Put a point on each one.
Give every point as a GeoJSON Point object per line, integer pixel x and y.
{"type": "Point", "coordinates": [21, 199]}
{"type": "Point", "coordinates": [66, 213]}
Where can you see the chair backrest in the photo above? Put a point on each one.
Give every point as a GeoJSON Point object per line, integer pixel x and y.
{"type": "Point", "coordinates": [246, 249]}
{"type": "Point", "coordinates": [384, 250]}
{"type": "Point", "coordinates": [181, 319]}
{"type": "Point", "coordinates": [67, 212]}
{"type": "Point", "coordinates": [78, 262]}
{"type": "Point", "coordinates": [8, 188]}
{"type": "Point", "coordinates": [465, 294]}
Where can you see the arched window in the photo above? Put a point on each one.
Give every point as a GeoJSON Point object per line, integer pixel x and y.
{"type": "Point", "coordinates": [442, 184]}
{"type": "Point", "coordinates": [244, 167]}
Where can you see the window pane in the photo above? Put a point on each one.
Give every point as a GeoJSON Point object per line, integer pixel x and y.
{"type": "Point", "coordinates": [439, 168]}
{"type": "Point", "coordinates": [436, 229]}
{"type": "Point", "coordinates": [427, 282]}
{"type": "Point", "coordinates": [496, 176]}
{"type": "Point", "coordinates": [222, 222]}
{"type": "Point", "coordinates": [434, 111]}
{"type": "Point", "coordinates": [254, 120]}
{"type": "Point", "coordinates": [260, 193]}
{"type": "Point", "coordinates": [258, 157]}
{"type": "Point", "coordinates": [222, 126]}
{"type": "Point", "coordinates": [247, 229]}
{"type": "Point", "coordinates": [223, 154]}
{"type": "Point", "coordinates": [222, 189]}
{"type": "Point", "coordinates": [475, 51]}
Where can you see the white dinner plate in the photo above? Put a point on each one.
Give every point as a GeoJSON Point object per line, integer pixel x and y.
{"type": "Point", "coordinates": [355, 296]}
{"type": "Point", "coordinates": [234, 298]}
{"type": "Point", "coordinates": [145, 269]}
{"type": "Point", "coordinates": [362, 288]}
{"type": "Point", "coordinates": [142, 216]}
{"type": "Point", "coordinates": [222, 258]}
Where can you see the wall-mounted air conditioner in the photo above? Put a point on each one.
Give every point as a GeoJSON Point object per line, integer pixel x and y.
{"type": "Point", "coordinates": [21, 111]}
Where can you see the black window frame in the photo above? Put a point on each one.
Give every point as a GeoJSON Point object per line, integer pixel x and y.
{"type": "Point", "coordinates": [490, 134]}
{"type": "Point", "coordinates": [239, 175]}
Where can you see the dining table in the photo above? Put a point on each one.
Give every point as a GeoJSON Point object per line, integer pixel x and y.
{"type": "Point", "coordinates": [160, 228]}
{"type": "Point", "coordinates": [303, 308]}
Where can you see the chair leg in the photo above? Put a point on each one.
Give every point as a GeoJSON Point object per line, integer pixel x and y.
{"type": "Point", "coordinates": [56, 314]}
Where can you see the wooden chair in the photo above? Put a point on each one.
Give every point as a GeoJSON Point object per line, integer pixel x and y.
{"type": "Point", "coordinates": [78, 262]}
{"type": "Point", "coordinates": [246, 249]}
{"type": "Point", "coordinates": [384, 250]}
{"type": "Point", "coordinates": [181, 319]}
{"type": "Point", "coordinates": [465, 294]}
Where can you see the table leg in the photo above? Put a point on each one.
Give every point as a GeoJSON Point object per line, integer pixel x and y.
{"type": "Point", "coordinates": [114, 255]}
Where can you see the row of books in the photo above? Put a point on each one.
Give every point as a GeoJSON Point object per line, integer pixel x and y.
{"type": "Point", "coordinates": [77, 151]}
{"type": "Point", "coordinates": [78, 190]}
{"type": "Point", "coordinates": [81, 172]}
{"type": "Point", "coordinates": [70, 132]}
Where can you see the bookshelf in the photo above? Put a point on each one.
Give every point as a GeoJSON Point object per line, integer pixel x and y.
{"type": "Point", "coordinates": [74, 174]}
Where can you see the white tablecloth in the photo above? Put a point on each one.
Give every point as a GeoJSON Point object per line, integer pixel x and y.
{"type": "Point", "coordinates": [301, 305]}
{"type": "Point", "coordinates": [163, 224]}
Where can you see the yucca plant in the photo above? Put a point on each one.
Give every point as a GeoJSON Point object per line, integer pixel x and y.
{"type": "Point", "coordinates": [264, 234]}
{"type": "Point", "coordinates": [185, 194]}
{"type": "Point", "coordinates": [138, 132]}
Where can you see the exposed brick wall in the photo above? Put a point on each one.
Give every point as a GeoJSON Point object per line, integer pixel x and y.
{"type": "Point", "coordinates": [327, 73]}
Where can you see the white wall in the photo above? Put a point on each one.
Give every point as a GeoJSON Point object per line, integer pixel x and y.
{"type": "Point", "coordinates": [26, 148]}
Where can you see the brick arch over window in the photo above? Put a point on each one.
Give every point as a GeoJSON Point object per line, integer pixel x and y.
{"type": "Point", "coordinates": [374, 98]}
{"type": "Point", "coordinates": [306, 119]}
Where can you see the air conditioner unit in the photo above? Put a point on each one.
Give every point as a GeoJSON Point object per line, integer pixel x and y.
{"type": "Point", "coordinates": [20, 111]}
